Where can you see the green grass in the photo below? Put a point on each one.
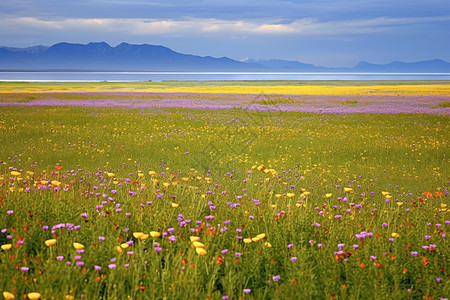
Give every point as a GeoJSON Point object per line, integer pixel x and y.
{"type": "Point", "coordinates": [220, 154]}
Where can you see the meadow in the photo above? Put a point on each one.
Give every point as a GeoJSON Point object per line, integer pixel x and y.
{"type": "Point", "coordinates": [151, 202]}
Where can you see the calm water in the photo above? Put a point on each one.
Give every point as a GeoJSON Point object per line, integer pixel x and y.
{"type": "Point", "coordinates": [159, 76]}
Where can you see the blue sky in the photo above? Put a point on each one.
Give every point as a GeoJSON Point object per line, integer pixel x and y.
{"type": "Point", "coordinates": [321, 32]}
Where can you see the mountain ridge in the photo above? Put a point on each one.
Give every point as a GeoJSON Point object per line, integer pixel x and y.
{"type": "Point", "coordinates": [147, 57]}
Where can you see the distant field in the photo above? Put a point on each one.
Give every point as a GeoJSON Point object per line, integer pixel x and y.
{"type": "Point", "coordinates": [204, 195]}
{"type": "Point", "coordinates": [245, 87]}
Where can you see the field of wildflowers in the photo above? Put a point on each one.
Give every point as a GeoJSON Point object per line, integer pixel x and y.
{"type": "Point", "coordinates": [153, 202]}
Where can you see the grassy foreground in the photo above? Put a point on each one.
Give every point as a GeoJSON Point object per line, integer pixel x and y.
{"type": "Point", "coordinates": [116, 203]}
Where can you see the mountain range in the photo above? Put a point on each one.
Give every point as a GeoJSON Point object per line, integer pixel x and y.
{"type": "Point", "coordinates": [128, 57]}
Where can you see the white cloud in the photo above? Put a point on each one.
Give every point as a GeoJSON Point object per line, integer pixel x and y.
{"type": "Point", "coordinates": [155, 27]}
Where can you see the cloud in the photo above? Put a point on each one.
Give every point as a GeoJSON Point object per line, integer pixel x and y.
{"type": "Point", "coordinates": [136, 27]}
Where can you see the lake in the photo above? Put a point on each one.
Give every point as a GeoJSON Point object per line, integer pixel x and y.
{"type": "Point", "coordinates": [188, 76]}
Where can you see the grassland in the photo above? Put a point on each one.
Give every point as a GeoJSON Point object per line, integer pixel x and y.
{"type": "Point", "coordinates": [112, 202]}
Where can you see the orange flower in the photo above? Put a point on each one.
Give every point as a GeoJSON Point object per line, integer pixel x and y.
{"type": "Point", "coordinates": [219, 260]}
{"type": "Point", "coordinates": [428, 194]}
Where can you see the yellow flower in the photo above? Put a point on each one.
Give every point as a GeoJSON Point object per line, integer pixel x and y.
{"type": "Point", "coordinates": [385, 193]}
{"type": "Point", "coordinates": [78, 246]}
{"type": "Point", "coordinates": [399, 203]}
{"type": "Point", "coordinates": [15, 173]}
{"type": "Point", "coordinates": [394, 234]}
{"type": "Point", "coordinates": [111, 175]}
{"type": "Point", "coordinates": [175, 205]}
{"type": "Point", "coordinates": [119, 249]}
{"type": "Point", "coordinates": [273, 206]}
{"type": "Point", "coordinates": [152, 173]}
{"type": "Point", "coordinates": [55, 183]}
{"type": "Point", "coordinates": [198, 244]}
{"type": "Point", "coordinates": [194, 238]}
{"type": "Point", "coordinates": [329, 195]}
{"type": "Point", "coordinates": [138, 235]}
{"type": "Point", "coordinates": [166, 184]}
{"type": "Point", "coordinates": [124, 245]}
{"type": "Point", "coordinates": [50, 242]}
{"type": "Point", "coordinates": [185, 179]}
{"type": "Point", "coordinates": [348, 190]}
{"type": "Point", "coordinates": [200, 251]}
{"type": "Point", "coordinates": [6, 247]}
{"type": "Point", "coordinates": [155, 234]}
{"type": "Point", "coordinates": [8, 295]}
{"type": "Point", "coordinates": [290, 195]}
{"type": "Point", "coordinates": [34, 296]}
{"type": "Point", "coordinates": [140, 175]}
{"type": "Point", "coordinates": [261, 236]}
{"type": "Point", "coordinates": [248, 241]}
{"type": "Point", "coordinates": [306, 193]}
{"type": "Point", "coordinates": [144, 237]}
{"type": "Point", "coordinates": [268, 245]}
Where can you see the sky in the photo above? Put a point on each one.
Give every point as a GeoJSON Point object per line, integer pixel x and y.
{"type": "Point", "coordinates": [333, 33]}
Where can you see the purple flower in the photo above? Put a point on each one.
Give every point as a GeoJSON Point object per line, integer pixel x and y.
{"type": "Point", "coordinates": [293, 258]}
{"type": "Point", "coordinates": [172, 238]}
{"type": "Point", "coordinates": [10, 212]}
{"type": "Point", "coordinates": [158, 249]}
{"type": "Point", "coordinates": [290, 246]}
{"type": "Point", "coordinates": [247, 291]}
{"type": "Point", "coordinates": [101, 238]}
{"type": "Point", "coordinates": [224, 251]}
{"type": "Point", "coordinates": [80, 263]}
{"type": "Point", "coordinates": [384, 225]}
{"type": "Point", "coordinates": [130, 253]}
{"type": "Point", "coordinates": [97, 268]}
{"type": "Point", "coordinates": [373, 258]}
{"type": "Point", "coordinates": [238, 254]}
{"type": "Point", "coordinates": [78, 257]}
{"type": "Point", "coordinates": [276, 278]}
{"type": "Point", "coordinates": [24, 269]}
{"type": "Point", "coordinates": [427, 237]}
{"type": "Point", "coordinates": [414, 253]}
{"type": "Point", "coordinates": [340, 246]}
{"type": "Point", "coordinates": [438, 279]}
{"type": "Point", "coordinates": [112, 266]}
{"type": "Point", "coordinates": [60, 258]}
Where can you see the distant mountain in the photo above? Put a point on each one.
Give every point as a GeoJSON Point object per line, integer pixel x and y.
{"type": "Point", "coordinates": [428, 66]}
{"type": "Point", "coordinates": [432, 66]}
{"type": "Point", "coordinates": [124, 57]}
{"type": "Point", "coordinates": [127, 57]}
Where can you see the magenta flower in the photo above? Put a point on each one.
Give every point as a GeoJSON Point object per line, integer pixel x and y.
{"type": "Point", "coordinates": [24, 269]}
{"type": "Point", "coordinates": [60, 258]}
{"type": "Point", "coordinates": [158, 249]}
{"type": "Point", "coordinates": [247, 291]}
{"type": "Point", "coordinates": [97, 268]}
{"type": "Point", "coordinates": [224, 251]}
{"type": "Point", "coordinates": [293, 258]}
{"type": "Point", "coordinates": [112, 266]}
{"type": "Point", "coordinates": [414, 253]}
{"type": "Point", "coordinates": [290, 246]}
{"type": "Point", "coordinates": [172, 238]}
{"type": "Point", "coordinates": [276, 278]}
{"type": "Point", "coordinates": [80, 263]}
